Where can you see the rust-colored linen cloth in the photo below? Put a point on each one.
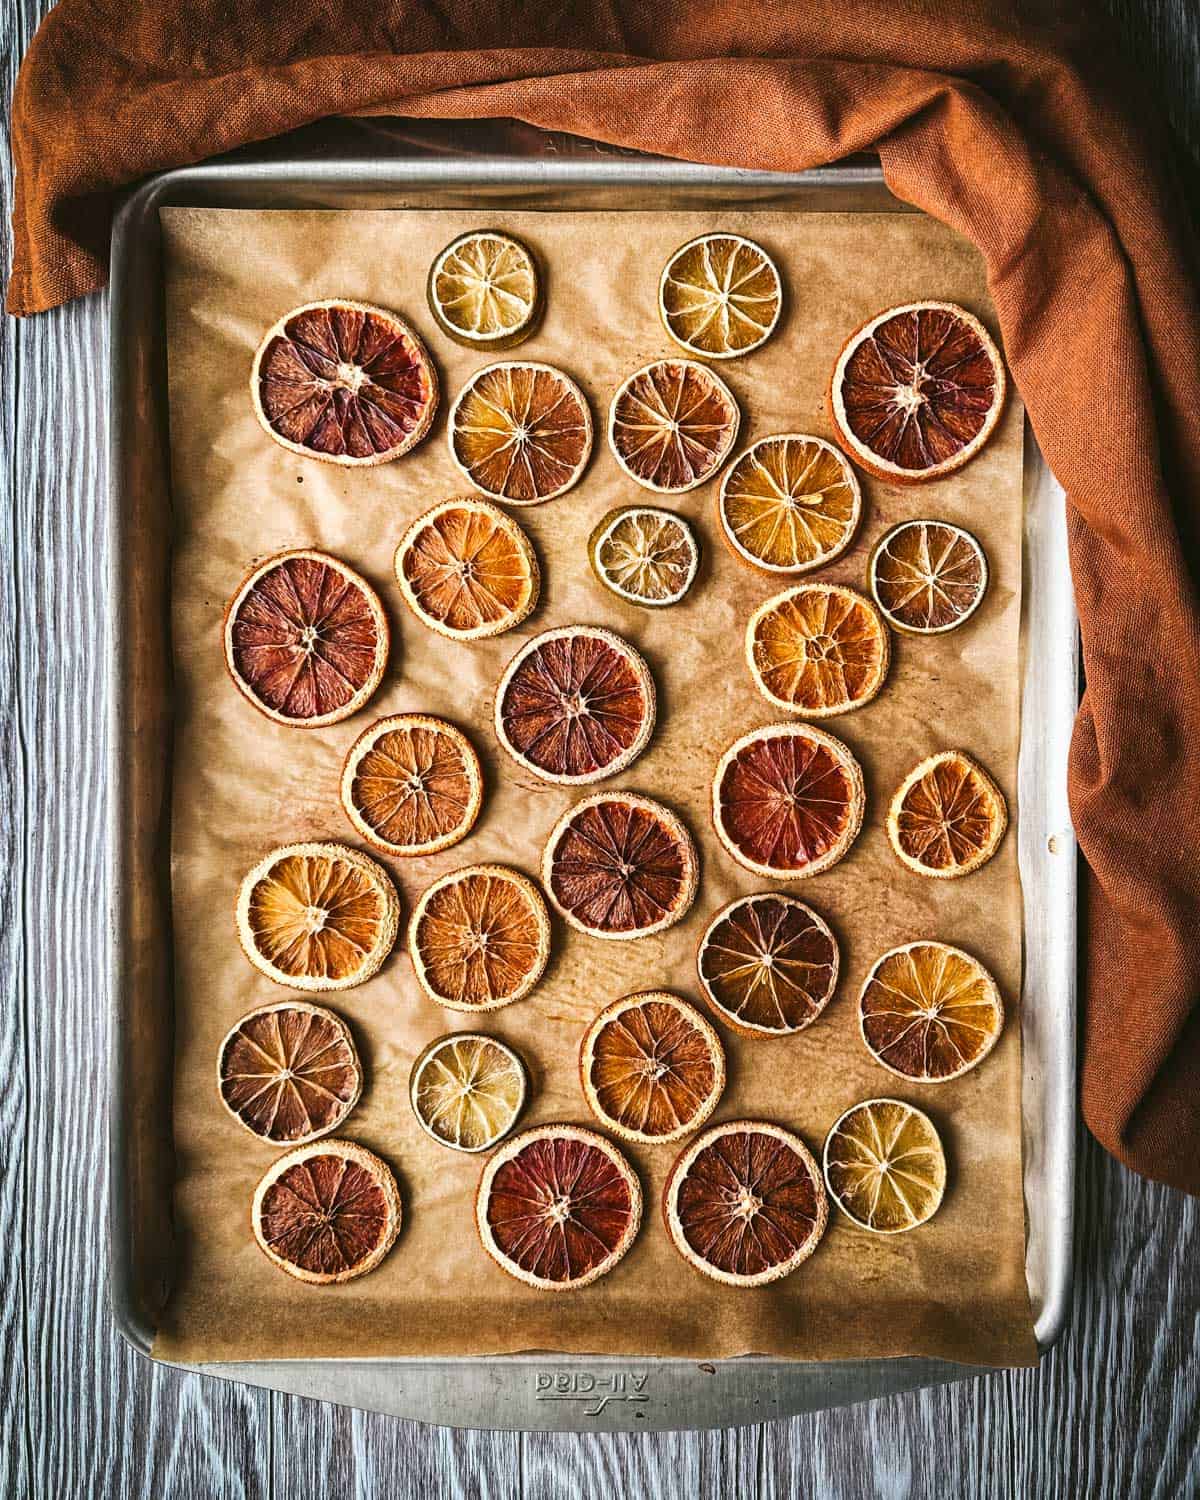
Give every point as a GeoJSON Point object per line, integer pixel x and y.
{"type": "Point", "coordinates": [1013, 124]}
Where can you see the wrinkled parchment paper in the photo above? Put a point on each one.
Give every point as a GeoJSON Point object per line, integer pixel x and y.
{"type": "Point", "coordinates": [242, 785]}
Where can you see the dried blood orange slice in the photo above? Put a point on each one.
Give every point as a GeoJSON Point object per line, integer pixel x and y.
{"type": "Point", "coordinates": [483, 290]}
{"type": "Point", "coordinates": [768, 964]}
{"type": "Point", "coordinates": [790, 504]}
{"type": "Point", "coordinates": [745, 1203]}
{"type": "Point", "coordinates": [885, 1167]}
{"type": "Point", "coordinates": [558, 1206]}
{"type": "Point", "coordinates": [575, 705]}
{"type": "Point", "coordinates": [947, 817]}
{"type": "Point", "coordinates": [327, 1212]}
{"type": "Point", "coordinates": [317, 916]}
{"type": "Point", "coordinates": [412, 785]}
{"type": "Point", "coordinates": [479, 938]}
{"type": "Point", "coordinates": [788, 800]}
{"type": "Point", "coordinates": [306, 639]}
{"type": "Point", "coordinates": [618, 865]}
{"type": "Point", "coordinates": [289, 1072]}
{"type": "Point", "coordinates": [929, 1012]}
{"type": "Point", "coordinates": [521, 432]}
{"type": "Point", "coordinates": [672, 425]}
{"type": "Point", "coordinates": [720, 296]}
{"type": "Point", "coordinates": [644, 555]}
{"type": "Point", "coordinates": [344, 382]}
{"type": "Point", "coordinates": [467, 1090]}
{"type": "Point", "coordinates": [917, 391]}
{"type": "Point", "coordinates": [928, 576]}
{"type": "Point", "coordinates": [653, 1068]}
{"type": "Point", "coordinates": [818, 649]}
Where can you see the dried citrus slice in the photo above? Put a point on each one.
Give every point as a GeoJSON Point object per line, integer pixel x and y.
{"type": "Point", "coordinates": [929, 1012]}
{"type": "Point", "coordinates": [327, 1212]}
{"type": "Point", "coordinates": [948, 816]}
{"type": "Point", "coordinates": [720, 296]}
{"type": "Point", "coordinates": [790, 504]}
{"type": "Point", "coordinates": [483, 290]}
{"type": "Point", "coordinates": [317, 916]}
{"type": "Point", "coordinates": [788, 800]}
{"type": "Point", "coordinates": [653, 1068]}
{"type": "Point", "coordinates": [575, 705]}
{"type": "Point", "coordinates": [412, 785]}
{"type": "Point", "coordinates": [289, 1072]}
{"type": "Point", "coordinates": [745, 1203]}
{"type": "Point", "coordinates": [467, 1090]}
{"type": "Point", "coordinates": [521, 432]}
{"type": "Point", "coordinates": [768, 964]}
{"type": "Point", "coordinates": [558, 1206]}
{"type": "Point", "coordinates": [928, 576]}
{"type": "Point", "coordinates": [885, 1167]}
{"type": "Point", "coordinates": [917, 391]}
{"type": "Point", "coordinates": [479, 938]}
{"type": "Point", "coordinates": [344, 382]}
{"type": "Point", "coordinates": [306, 639]}
{"type": "Point", "coordinates": [467, 570]}
{"type": "Point", "coordinates": [818, 649]}
{"type": "Point", "coordinates": [618, 865]}
{"type": "Point", "coordinates": [644, 555]}
{"type": "Point", "coordinates": [672, 425]}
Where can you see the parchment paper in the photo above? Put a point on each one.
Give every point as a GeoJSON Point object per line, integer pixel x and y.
{"type": "Point", "coordinates": [242, 785]}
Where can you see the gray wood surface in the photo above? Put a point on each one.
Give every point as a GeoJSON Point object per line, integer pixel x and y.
{"type": "Point", "coordinates": [1113, 1411]}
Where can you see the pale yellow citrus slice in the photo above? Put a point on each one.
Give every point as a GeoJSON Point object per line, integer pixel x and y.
{"type": "Point", "coordinates": [947, 817]}
{"type": "Point", "coordinates": [929, 1012]}
{"type": "Point", "coordinates": [928, 576]}
{"type": "Point", "coordinates": [818, 649]}
{"type": "Point", "coordinates": [790, 504]}
{"type": "Point", "coordinates": [484, 291]}
{"type": "Point", "coordinates": [885, 1167]}
{"type": "Point", "coordinates": [720, 296]}
{"type": "Point", "coordinates": [467, 1090]}
{"type": "Point", "coordinates": [645, 555]}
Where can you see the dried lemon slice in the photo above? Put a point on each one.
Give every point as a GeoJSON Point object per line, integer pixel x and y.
{"type": "Point", "coordinates": [484, 291]}
{"type": "Point", "coordinates": [467, 1090]}
{"type": "Point", "coordinates": [644, 555]}
{"type": "Point", "coordinates": [885, 1167]}
{"type": "Point", "coordinates": [720, 296]}
{"type": "Point", "coordinates": [790, 504]}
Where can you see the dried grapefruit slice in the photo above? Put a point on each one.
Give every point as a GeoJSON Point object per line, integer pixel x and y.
{"type": "Point", "coordinates": [467, 570]}
{"type": "Point", "coordinates": [917, 391]}
{"type": "Point", "coordinates": [412, 785]}
{"type": "Point", "coordinates": [818, 649]}
{"type": "Point", "coordinates": [521, 432]}
{"type": "Point", "coordinates": [483, 290]}
{"type": "Point", "coordinates": [344, 382]}
{"type": "Point", "coordinates": [745, 1203]}
{"type": "Point", "coordinates": [306, 639]}
{"type": "Point", "coordinates": [720, 296]}
{"type": "Point", "coordinates": [317, 916]}
{"type": "Point", "coordinates": [558, 1206]}
{"type": "Point", "coordinates": [790, 504]}
{"type": "Point", "coordinates": [327, 1212]}
{"type": "Point", "coordinates": [885, 1167]}
{"type": "Point", "coordinates": [672, 425]}
{"type": "Point", "coordinates": [788, 800]}
{"type": "Point", "coordinates": [467, 1090]}
{"type": "Point", "coordinates": [929, 1012]}
{"type": "Point", "coordinates": [768, 964]}
{"type": "Point", "coordinates": [928, 576]}
{"type": "Point", "coordinates": [644, 555]}
{"type": "Point", "coordinates": [653, 1068]}
{"type": "Point", "coordinates": [289, 1073]}
{"type": "Point", "coordinates": [948, 816]}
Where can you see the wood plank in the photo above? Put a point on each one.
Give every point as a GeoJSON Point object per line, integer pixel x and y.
{"type": "Point", "coordinates": [594, 1466]}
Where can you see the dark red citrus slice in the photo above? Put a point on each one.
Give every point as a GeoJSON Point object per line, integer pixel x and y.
{"type": "Point", "coordinates": [289, 1072]}
{"type": "Point", "coordinates": [768, 964]}
{"type": "Point", "coordinates": [672, 425]}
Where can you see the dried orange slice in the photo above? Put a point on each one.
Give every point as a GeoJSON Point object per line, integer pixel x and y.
{"type": "Point", "coordinates": [948, 816]}
{"type": "Point", "coordinates": [745, 1203]}
{"type": "Point", "coordinates": [344, 382]}
{"type": "Point", "coordinates": [306, 639]}
{"type": "Point", "coordinates": [788, 800]}
{"type": "Point", "coordinates": [467, 1090]}
{"type": "Point", "coordinates": [467, 570]}
{"type": "Point", "coordinates": [929, 1012]}
{"type": "Point", "coordinates": [326, 1213]}
{"type": "Point", "coordinates": [790, 504]}
{"type": "Point", "coordinates": [720, 296]}
{"type": "Point", "coordinates": [928, 576]}
{"type": "Point", "coordinates": [885, 1167]}
{"type": "Point", "coordinates": [768, 964]}
{"type": "Point", "coordinates": [317, 916]}
{"type": "Point", "coordinates": [521, 432]}
{"type": "Point", "coordinates": [917, 392]}
{"type": "Point", "coordinates": [818, 649]}
{"type": "Point", "coordinates": [412, 785]}
{"type": "Point", "coordinates": [483, 290]}
{"type": "Point", "coordinates": [479, 938]}
{"type": "Point", "coordinates": [289, 1072]}
{"type": "Point", "coordinates": [644, 555]}
{"type": "Point", "coordinates": [653, 1068]}
{"type": "Point", "coordinates": [575, 705]}
{"type": "Point", "coordinates": [672, 425]}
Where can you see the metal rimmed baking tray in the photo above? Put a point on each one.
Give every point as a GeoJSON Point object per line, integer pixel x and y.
{"type": "Point", "coordinates": [444, 166]}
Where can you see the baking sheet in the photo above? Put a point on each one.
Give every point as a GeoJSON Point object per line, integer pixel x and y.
{"type": "Point", "coordinates": [955, 1288]}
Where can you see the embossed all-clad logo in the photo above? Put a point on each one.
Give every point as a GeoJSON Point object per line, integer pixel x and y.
{"type": "Point", "coordinates": [594, 1390]}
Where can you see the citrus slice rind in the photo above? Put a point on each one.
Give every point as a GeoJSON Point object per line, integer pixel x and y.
{"type": "Point", "coordinates": [557, 1207]}
{"type": "Point", "coordinates": [768, 964]}
{"type": "Point", "coordinates": [789, 504]}
{"type": "Point", "coordinates": [745, 1204]}
{"type": "Point", "coordinates": [818, 649]}
{"type": "Point", "coordinates": [653, 1069]}
{"type": "Point", "coordinates": [672, 424]}
{"type": "Point", "coordinates": [720, 296]}
{"type": "Point", "coordinates": [929, 1012]}
{"type": "Point", "coordinates": [412, 785]}
{"type": "Point", "coordinates": [644, 555]}
{"type": "Point", "coordinates": [484, 290]}
{"type": "Point", "coordinates": [947, 817]}
{"type": "Point", "coordinates": [344, 382]}
{"type": "Point", "coordinates": [928, 577]}
{"type": "Point", "coordinates": [467, 1090]}
{"type": "Point", "coordinates": [884, 1166]}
